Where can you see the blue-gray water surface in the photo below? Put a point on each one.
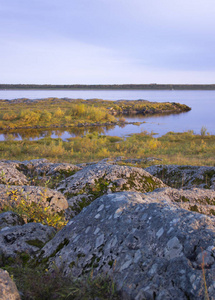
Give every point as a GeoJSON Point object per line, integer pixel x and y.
{"type": "Point", "coordinates": [201, 102]}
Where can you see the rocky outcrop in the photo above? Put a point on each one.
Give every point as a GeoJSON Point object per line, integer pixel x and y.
{"type": "Point", "coordinates": [8, 290]}
{"type": "Point", "coordinates": [25, 172]}
{"type": "Point", "coordinates": [10, 175]}
{"type": "Point", "coordinates": [95, 180]}
{"type": "Point", "coordinates": [43, 169]}
{"type": "Point", "coordinates": [152, 248]}
{"type": "Point", "coordinates": [24, 241]}
{"type": "Point", "coordinates": [155, 241]}
{"type": "Point", "coordinates": [185, 176]}
{"type": "Point", "coordinates": [9, 219]}
{"type": "Point", "coordinates": [44, 196]}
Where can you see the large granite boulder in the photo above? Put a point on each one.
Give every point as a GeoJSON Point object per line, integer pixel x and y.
{"type": "Point", "coordinates": [9, 174]}
{"type": "Point", "coordinates": [151, 247]}
{"type": "Point", "coordinates": [40, 195]}
{"type": "Point", "coordinates": [8, 289]}
{"type": "Point", "coordinates": [24, 240]}
{"type": "Point", "coordinates": [185, 176]}
{"type": "Point", "coordinates": [95, 180]}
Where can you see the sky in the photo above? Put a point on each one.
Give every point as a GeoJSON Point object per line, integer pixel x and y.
{"type": "Point", "coordinates": [107, 41]}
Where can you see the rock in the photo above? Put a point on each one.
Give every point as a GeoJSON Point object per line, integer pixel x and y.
{"type": "Point", "coordinates": [10, 175]}
{"type": "Point", "coordinates": [45, 196]}
{"type": "Point", "coordinates": [24, 240]}
{"type": "Point", "coordinates": [101, 178]}
{"type": "Point", "coordinates": [151, 247]}
{"type": "Point", "coordinates": [9, 219]}
{"type": "Point", "coordinates": [41, 168]}
{"type": "Point", "coordinates": [8, 289]}
{"type": "Point", "coordinates": [194, 199]}
{"type": "Point", "coordinates": [185, 176]}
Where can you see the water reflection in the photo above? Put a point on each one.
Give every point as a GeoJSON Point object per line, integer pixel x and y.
{"type": "Point", "coordinates": [35, 134]}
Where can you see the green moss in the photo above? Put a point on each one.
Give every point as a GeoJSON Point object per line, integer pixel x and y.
{"type": "Point", "coordinates": [36, 243]}
{"type": "Point", "coordinates": [110, 263]}
{"type": "Point", "coordinates": [25, 257]}
{"type": "Point", "coordinates": [151, 184]}
{"type": "Point", "coordinates": [84, 202]}
{"type": "Point", "coordinates": [72, 264]}
{"type": "Point", "coordinates": [194, 208]}
{"type": "Point", "coordinates": [131, 181]}
{"type": "Point", "coordinates": [212, 212]}
{"type": "Point", "coordinates": [60, 246]}
{"type": "Point", "coordinates": [67, 173]}
{"type": "Point", "coordinates": [94, 263]}
{"type": "Point", "coordinates": [184, 199]}
{"type": "Point", "coordinates": [81, 255]}
{"type": "Point", "coordinates": [207, 177]}
{"type": "Point", "coordinates": [198, 181]}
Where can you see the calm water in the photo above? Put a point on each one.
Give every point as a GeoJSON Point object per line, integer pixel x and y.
{"type": "Point", "coordinates": [201, 102]}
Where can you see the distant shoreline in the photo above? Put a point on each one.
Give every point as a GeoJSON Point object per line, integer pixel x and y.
{"type": "Point", "coordinates": [152, 86]}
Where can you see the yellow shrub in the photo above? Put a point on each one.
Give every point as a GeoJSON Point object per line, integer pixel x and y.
{"type": "Point", "coordinates": [58, 113]}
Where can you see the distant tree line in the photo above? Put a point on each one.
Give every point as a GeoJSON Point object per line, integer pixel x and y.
{"type": "Point", "coordinates": [152, 86]}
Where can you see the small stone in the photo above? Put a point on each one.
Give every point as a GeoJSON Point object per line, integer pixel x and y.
{"type": "Point", "coordinates": [125, 265]}
{"type": "Point", "coordinates": [101, 207]}
{"type": "Point", "coordinates": [137, 256]}
{"type": "Point", "coordinates": [100, 240]}
{"type": "Point", "coordinates": [160, 232]}
{"type": "Point", "coordinates": [96, 231]}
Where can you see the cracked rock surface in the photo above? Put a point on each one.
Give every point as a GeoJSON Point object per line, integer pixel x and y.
{"type": "Point", "coordinates": [92, 181]}
{"type": "Point", "coordinates": [9, 219]}
{"type": "Point", "coordinates": [10, 175]}
{"type": "Point", "coordinates": [28, 238]}
{"type": "Point", "coordinates": [151, 246]}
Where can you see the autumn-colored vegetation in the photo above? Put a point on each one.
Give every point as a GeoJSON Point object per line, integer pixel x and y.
{"type": "Point", "coordinates": [172, 148]}
{"type": "Point", "coordinates": [54, 112]}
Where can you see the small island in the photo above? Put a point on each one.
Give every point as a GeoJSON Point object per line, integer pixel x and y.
{"type": "Point", "coordinates": [55, 112]}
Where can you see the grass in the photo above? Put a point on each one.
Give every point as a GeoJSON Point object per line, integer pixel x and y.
{"type": "Point", "coordinates": [34, 281]}
{"type": "Point", "coordinates": [173, 148]}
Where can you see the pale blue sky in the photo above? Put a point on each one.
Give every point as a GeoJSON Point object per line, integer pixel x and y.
{"type": "Point", "coordinates": [107, 41]}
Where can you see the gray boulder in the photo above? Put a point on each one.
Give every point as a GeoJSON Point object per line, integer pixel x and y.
{"type": "Point", "coordinates": [8, 289]}
{"type": "Point", "coordinates": [40, 195]}
{"type": "Point", "coordinates": [9, 219]}
{"type": "Point", "coordinates": [95, 180]}
{"type": "Point", "coordinates": [151, 247]}
{"type": "Point", "coordinates": [44, 170]}
{"type": "Point", "coordinates": [10, 175]}
{"type": "Point", "coordinates": [27, 239]}
{"type": "Point", "coordinates": [185, 176]}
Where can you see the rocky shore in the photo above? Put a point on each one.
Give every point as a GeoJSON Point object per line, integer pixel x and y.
{"type": "Point", "coordinates": [151, 230]}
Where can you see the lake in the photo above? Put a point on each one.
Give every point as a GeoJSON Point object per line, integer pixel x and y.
{"type": "Point", "coordinates": [201, 102]}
